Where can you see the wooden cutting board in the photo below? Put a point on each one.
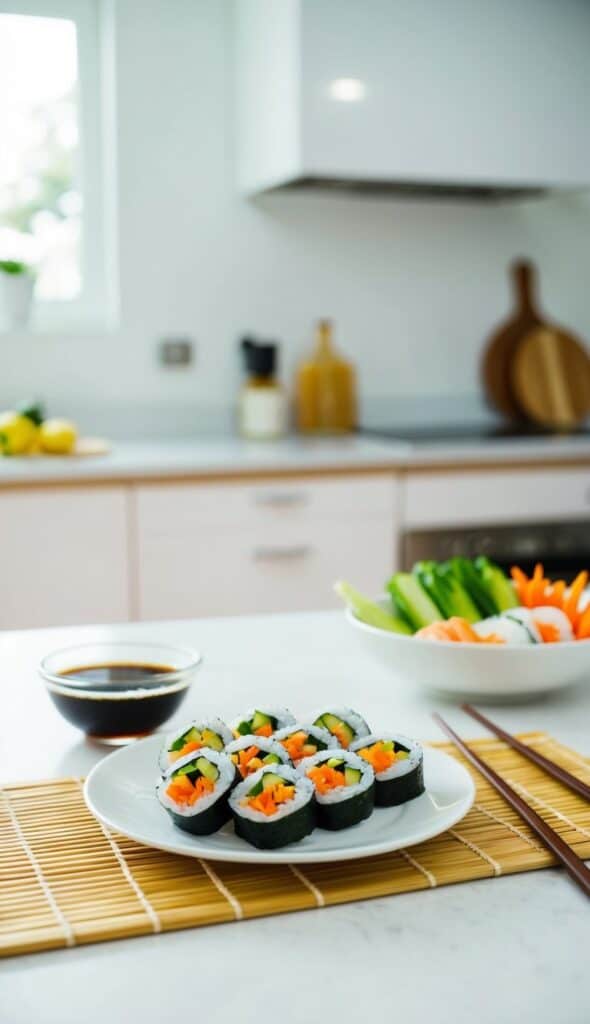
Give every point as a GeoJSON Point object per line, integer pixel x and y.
{"type": "Point", "coordinates": [503, 343]}
{"type": "Point", "coordinates": [550, 377]}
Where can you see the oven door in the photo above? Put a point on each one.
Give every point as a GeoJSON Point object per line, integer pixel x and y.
{"type": "Point", "coordinates": [563, 548]}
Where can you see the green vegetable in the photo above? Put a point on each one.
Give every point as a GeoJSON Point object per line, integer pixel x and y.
{"type": "Point", "coordinates": [261, 719]}
{"type": "Point", "coordinates": [271, 759]}
{"type": "Point", "coordinates": [269, 780]}
{"type": "Point", "coordinates": [190, 734]}
{"type": "Point", "coordinates": [335, 762]}
{"type": "Point", "coordinates": [369, 612]}
{"type": "Point", "coordinates": [497, 584]}
{"type": "Point", "coordinates": [33, 411]}
{"type": "Point", "coordinates": [464, 570]}
{"type": "Point", "coordinates": [352, 776]}
{"type": "Point", "coordinates": [13, 267]}
{"type": "Point", "coordinates": [413, 601]}
{"type": "Point", "coordinates": [187, 769]}
{"type": "Point", "coordinates": [336, 726]}
{"type": "Point", "coordinates": [211, 739]}
{"type": "Point", "coordinates": [207, 769]}
{"type": "Point", "coordinates": [441, 584]}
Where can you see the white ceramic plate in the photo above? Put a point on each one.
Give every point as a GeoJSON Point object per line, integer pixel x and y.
{"type": "Point", "coordinates": [120, 791]}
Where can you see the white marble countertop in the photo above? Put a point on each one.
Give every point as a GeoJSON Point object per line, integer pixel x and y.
{"type": "Point", "coordinates": [222, 456]}
{"type": "Point", "coordinates": [511, 949]}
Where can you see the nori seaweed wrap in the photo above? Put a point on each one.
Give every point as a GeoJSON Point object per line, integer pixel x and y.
{"type": "Point", "coordinates": [398, 765]}
{"type": "Point", "coordinates": [201, 732]}
{"type": "Point", "coordinates": [344, 787]}
{"type": "Point", "coordinates": [273, 807]}
{"type": "Point", "coordinates": [249, 753]}
{"type": "Point", "coordinates": [342, 722]}
{"type": "Point", "coordinates": [195, 791]}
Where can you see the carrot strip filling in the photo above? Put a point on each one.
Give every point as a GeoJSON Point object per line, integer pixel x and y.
{"type": "Point", "coordinates": [264, 730]}
{"type": "Point", "coordinates": [549, 632]}
{"type": "Point", "coordinates": [183, 791]}
{"type": "Point", "coordinates": [269, 801]}
{"type": "Point", "coordinates": [247, 761]}
{"type": "Point", "coordinates": [341, 735]}
{"type": "Point", "coordinates": [174, 755]}
{"type": "Point", "coordinates": [379, 758]}
{"type": "Point", "coordinates": [298, 746]}
{"type": "Point", "coordinates": [325, 778]}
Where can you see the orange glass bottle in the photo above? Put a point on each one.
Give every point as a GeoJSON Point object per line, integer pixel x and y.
{"type": "Point", "coordinates": [325, 392]}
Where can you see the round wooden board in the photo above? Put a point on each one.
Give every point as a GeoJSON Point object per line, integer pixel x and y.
{"type": "Point", "coordinates": [550, 376]}
{"type": "Point", "coordinates": [502, 344]}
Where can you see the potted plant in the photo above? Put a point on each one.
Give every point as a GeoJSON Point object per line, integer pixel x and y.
{"type": "Point", "coordinates": [17, 283]}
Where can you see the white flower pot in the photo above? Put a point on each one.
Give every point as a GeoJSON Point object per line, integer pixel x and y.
{"type": "Point", "coordinates": [16, 299]}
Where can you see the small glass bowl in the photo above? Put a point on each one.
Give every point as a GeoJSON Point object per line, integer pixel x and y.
{"type": "Point", "coordinates": [118, 692]}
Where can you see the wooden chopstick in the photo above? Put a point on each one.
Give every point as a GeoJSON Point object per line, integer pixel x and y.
{"type": "Point", "coordinates": [570, 860]}
{"type": "Point", "coordinates": [549, 766]}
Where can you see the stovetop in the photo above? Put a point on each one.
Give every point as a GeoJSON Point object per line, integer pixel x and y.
{"type": "Point", "coordinates": [430, 433]}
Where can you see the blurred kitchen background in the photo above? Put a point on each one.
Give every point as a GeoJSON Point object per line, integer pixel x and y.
{"type": "Point", "coordinates": [310, 280]}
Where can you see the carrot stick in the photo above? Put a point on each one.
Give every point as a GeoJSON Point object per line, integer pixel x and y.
{"type": "Point", "coordinates": [556, 594]}
{"type": "Point", "coordinates": [520, 582]}
{"type": "Point", "coordinates": [571, 604]}
{"type": "Point", "coordinates": [529, 594]}
{"type": "Point", "coordinates": [583, 630]}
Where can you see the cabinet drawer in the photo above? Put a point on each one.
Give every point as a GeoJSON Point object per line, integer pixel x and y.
{"type": "Point", "coordinates": [211, 572]}
{"type": "Point", "coordinates": [489, 496]}
{"type": "Point", "coordinates": [236, 506]}
{"type": "Point", "coordinates": [64, 557]}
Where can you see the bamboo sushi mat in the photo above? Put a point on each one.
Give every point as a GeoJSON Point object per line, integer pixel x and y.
{"type": "Point", "coordinates": [65, 880]}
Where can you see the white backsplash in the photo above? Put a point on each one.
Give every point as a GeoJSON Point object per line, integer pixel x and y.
{"type": "Point", "coordinates": [414, 288]}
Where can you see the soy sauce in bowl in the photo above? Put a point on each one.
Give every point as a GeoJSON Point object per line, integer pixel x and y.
{"type": "Point", "coordinates": [118, 692]}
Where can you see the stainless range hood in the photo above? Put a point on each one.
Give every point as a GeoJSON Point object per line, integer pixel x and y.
{"type": "Point", "coordinates": [412, 189]}
{"type": "Point", "coordinates": [461, 100]}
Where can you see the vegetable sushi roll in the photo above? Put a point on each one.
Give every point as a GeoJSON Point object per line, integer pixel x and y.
{"type": "Point", "coordinates": [195, 791]}
{"type": "Point", "coordinates": [344, 787]}
{"type": "Point", "coordinates": [262, 721]}
{"type": "Point", "coordinates": [249, 753]}
{"type": "Point", "coordinates": [305, 740]}
{"type": "Point", "coordinates": [344, 723]}
{"type": "Point", "coordinates": [273, 807]}
{"type": "Point", "coordinates": [207, 732]}
{"type": "Point", "coordinates": [398, 765]}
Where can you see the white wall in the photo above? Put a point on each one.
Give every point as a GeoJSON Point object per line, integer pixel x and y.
{"type": "Point", "coordinates": [413, 287]}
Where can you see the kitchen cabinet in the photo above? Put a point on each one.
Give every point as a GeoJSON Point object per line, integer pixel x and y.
{"type": "Point", "coordinates": [484, 496]}
{"type": "Point", "coordinates": [63, 556]}
{"type": "Point", "coordinates": [230, 548]}
{"type": "Point", "coordinates": [420, 95]}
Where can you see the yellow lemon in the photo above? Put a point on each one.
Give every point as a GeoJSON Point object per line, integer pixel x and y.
{"type": "Point", "coordinates": [57, 436]}
{"type": "Point", "coordinates": [17, 433]}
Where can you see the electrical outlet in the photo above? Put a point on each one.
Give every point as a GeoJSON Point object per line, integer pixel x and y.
{"type": "Point", "coordinates": [177, 352]}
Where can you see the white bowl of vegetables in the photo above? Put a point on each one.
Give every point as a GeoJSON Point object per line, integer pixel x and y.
{"type": "Point", "coordinates": [464, 628]}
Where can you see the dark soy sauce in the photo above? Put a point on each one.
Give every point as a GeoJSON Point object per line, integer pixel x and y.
{"type": "Point", "coordinates": [94, 700]}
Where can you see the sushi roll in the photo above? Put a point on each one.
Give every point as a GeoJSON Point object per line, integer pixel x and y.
{"type": "Point", "coordinates": [510, 629]}
{"type": "Point", "coordinates": [195, 791]}
{"type": "Point", "coordinates": [206, 732]}
{"type": "Point", "coordinates": [552, 623]}
{"type": "Point", "coordinates": [343, 723]}
{"type": "Point", "coordinates": [249, 753]}
{"type": "Point", "coordinates": [262, 721]}
{"type": "Point", "coordinates": [398, 765]}
{"type": "Point", "coordinates": [344, 787]}
{"type": "Point", "coordinates": [273, 807]}
{"type": "Point", "coordinates": [305, 740]}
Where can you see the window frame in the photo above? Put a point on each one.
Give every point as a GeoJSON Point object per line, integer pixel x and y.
{"type": "Point", "coordinates": [96, 305]}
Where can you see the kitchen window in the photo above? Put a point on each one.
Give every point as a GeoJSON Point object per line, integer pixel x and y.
{"type": "Point", "coordinates": [52, 195]}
